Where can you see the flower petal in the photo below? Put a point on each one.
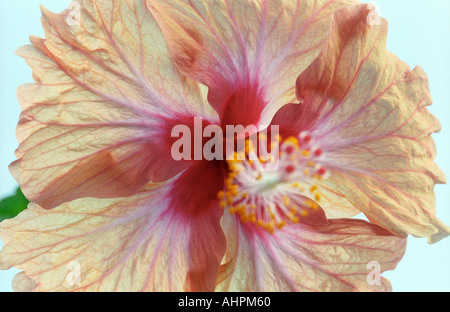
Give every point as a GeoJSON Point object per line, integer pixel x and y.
{"type": "Point", "coordinates": [164, 238]}
{"type": "Point", "coordinates": [249, 53]}
{"type": "Point", "coordinates": [367, 111]}
{"type": "Point", "coordinates": [105, 93]}
{"type": "Point", "coordinates": [335, 257]}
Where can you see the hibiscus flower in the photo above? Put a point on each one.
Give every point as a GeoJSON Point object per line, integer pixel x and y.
{"type": "Point", "coordinates": [111, 203]}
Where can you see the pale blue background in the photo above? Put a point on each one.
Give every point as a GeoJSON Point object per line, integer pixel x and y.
{"type": "Point", "coordinates": [419, 34]}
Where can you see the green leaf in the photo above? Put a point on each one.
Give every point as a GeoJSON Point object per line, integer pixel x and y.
{"type": "Point", "coordinates": [12, 206]}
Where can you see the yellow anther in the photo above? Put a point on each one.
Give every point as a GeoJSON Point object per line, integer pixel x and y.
{"type": "Point", "coordinates": [293, 141]}
{"type": "Point", "coordinates": [317, 197]}
{"type": "Point", "coordinates": [313, 189]}
{"type": "Point", "coordinates": [299, 187]}
{"type": "Point", "coordinates": [221, 195]}
{"type": "Point", "coordinates": [306, 153]}
{"type": "Point", "coordinates": [244, 219]}
{"type": "Point", "coordinates": [262, 136]}
{"type": "Point", "coordinates": [293, 218]}
{"type": "Point", "coordinates": [271, 227]}
{"type": "Point", "coordinates": [229, 181]}
{"type": "Point", "coordinates": [311, 164]}
{"type": "Point", "coordinates": [232, 166]}
{"type": "Point", "coordinates": [286, 201]}
{"type": "Point", "coordinates": [304, 213]}
{"type": "Point", "coordinates": [263, 159]}
{"type": "Point", "coordinates": [281, 224]}
{"type": "Point", "coordinates": [311, 204]}
{"type": "Point", "coordinates": [240, 156]}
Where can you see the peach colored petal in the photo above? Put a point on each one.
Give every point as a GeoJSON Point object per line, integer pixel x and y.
{"type": "Point", "coordinates": [335, 203]}
{"type": "Point", "coordinates": [138, 243]}
{"type": "Point", "coordinates": [368, 111]}
{"type": "Point", "coordinates": [335, 257]}
{"type": "Point", "coordinates": [104, 90]}
{"type": "Point", "coordinates": [248, 52]}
